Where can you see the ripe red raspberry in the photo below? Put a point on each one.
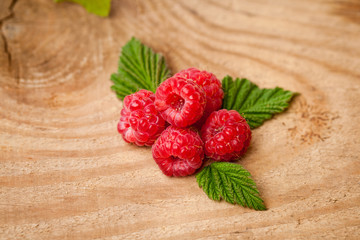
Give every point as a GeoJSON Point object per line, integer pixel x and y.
{"type": "Point", "coordinates": [179, 101]}
{"type": "Point", "coordinates": [212, 87]}
{"type": "Point", "coordinates": [178, 151]}
{"type": "Point", "coordinates": [226, 135]}
{"type": "Point", "coordinates": [140, 123]}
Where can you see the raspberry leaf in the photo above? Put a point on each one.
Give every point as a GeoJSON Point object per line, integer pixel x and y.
{"type": "Point", "coordinates": [231, 182]}
{"type": "Point", "coordinates": [100, 8]}
{"type": "Point", "coordinates": [139, 68]}
{"type": "Point", "coordinates": [254, 104]}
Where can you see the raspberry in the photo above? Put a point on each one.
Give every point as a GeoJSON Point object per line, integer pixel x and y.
{"type": "Point", "coordinates": [140, 123]}
{"type": "Point", "coordinates": [179, 101]}
{"type": "Point", "coordinates": [226, 135]}
{"type": "Point", "coordinates": [212, 87]}
{"type": "Point", "coordinates": [178, 151]}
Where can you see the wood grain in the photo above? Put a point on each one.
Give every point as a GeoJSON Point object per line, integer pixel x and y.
{"type": "Point", "coordinates": [65, 173]}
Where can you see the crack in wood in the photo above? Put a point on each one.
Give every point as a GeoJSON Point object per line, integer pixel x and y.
{"type": "Point", "coordinates": [6, 49]}
{"type": "Point", "coordinates": [3, 36]}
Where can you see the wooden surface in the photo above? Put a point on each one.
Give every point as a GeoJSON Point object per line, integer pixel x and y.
{"type": "Point", "coordinates": [65, 172]}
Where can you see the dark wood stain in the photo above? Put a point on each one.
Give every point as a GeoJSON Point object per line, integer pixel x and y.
{"type": "Point", "coordinates": [348, 9]}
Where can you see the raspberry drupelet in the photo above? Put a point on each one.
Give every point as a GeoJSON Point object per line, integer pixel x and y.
{"type": "Point", "coordinates": [140, 123]}
{"type": "Point", "coordinates": [226, 135]}
{"type": "Point", "coordinates": [180, 102]}
{"type": "Point", "coordinates": [212, 87]}
{"type": "Point", "coordinates": [178, 151]}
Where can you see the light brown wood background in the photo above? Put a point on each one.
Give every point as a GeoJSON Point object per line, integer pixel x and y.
{"type": "Point", "coordinates": [65, 172]}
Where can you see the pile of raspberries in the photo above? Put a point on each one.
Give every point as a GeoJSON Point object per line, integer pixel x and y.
{"type": "Point", "coordinates": [183, 124]}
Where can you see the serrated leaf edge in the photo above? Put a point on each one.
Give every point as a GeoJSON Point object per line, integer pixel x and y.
{"type": "Point", "coordinates": [235, 189]}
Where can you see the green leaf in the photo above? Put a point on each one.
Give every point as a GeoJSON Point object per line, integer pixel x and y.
{"type": "Point", "coordinates": [139, 68]}
{"type": "Point", "coordinates": [230, 182]}
{"type": "Point", "coordinates": [254, 104]}
{"type": "Point", "coordinates": [98, 7]}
